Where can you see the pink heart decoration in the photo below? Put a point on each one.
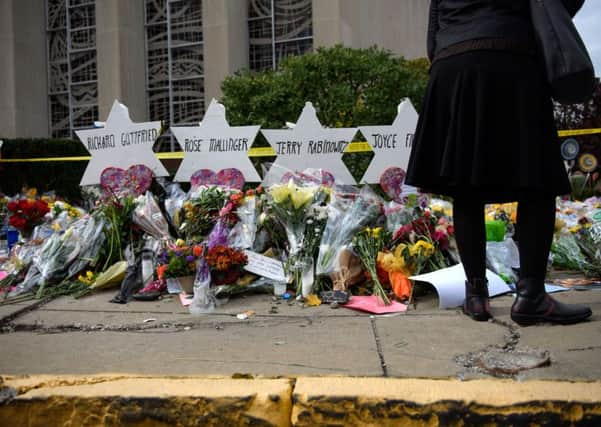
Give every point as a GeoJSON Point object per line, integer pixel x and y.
{"type": "Point", "coordinates": [290, 176]}
{"type": "Point", "coordinates": [231, 178]}
{"type": "Point", "coordinates": [391, 182]}
{"type": "Point", "coordinates": [324, 178]}
{"type": "Point", "coordinates": [134, 181]}
{"type": "Point", "coordinates": [327, 179]}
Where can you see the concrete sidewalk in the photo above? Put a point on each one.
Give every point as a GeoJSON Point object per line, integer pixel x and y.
{"type": "Point", "coordinates": [91, 337]}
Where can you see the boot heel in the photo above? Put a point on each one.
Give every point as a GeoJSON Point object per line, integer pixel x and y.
{"type": "Point", "coordinates": [476, 303]}
{"type": "Point", "coordinates": [533, 305]}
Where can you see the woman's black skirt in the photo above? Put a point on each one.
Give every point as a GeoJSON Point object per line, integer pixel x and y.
{"type": "Point", "coordinates": [487, 130]}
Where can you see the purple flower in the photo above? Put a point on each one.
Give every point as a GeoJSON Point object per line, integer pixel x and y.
{"type": "Point", "coordinates": [218, 236]}
{"type": "Point", "coordinates": [190, 258]}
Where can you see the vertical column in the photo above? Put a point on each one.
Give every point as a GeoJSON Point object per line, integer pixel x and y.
{"type": "Point", "coordinates": [225, 29]}
{"type": "Point", "coordinates": [121, 56]}
{"type": "Point", "coordinates": [31, 69]}
{"type": "Point", "coordinates": [23, 70]}
{"type": "Point", "coordinates": [398, 26]}
{"type": "Point", "coordinates": [330, 23]}
{"type": "Point", "coordinates": [8, 122]}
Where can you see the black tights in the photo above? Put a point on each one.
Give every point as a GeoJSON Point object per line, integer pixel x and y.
{"type": "Point", "coordinates": [535, 225]}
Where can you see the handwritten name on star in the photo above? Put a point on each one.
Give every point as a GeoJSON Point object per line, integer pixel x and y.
{"type": "Point", "coordinates": [313, 147]}
{"type": "Point", "coordinates": [216, 145]}
{"type": "Point", "coordinates": [389, 141]}
{"type": "Point", "coordinates": [103, 142]}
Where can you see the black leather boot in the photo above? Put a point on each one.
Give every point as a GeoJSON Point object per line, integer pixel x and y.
{"type": "Point", "coordinates": [533, 305]}
{"type": "Point", "coordinates": [476, 303]}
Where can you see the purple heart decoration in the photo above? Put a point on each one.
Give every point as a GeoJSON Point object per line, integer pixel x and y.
{"type": "Point", "coordinates": [134, 181]}
{"type": "Point", "coordinates": [391, 182]}
{"type": "Point", "coordinates": [202, 177]}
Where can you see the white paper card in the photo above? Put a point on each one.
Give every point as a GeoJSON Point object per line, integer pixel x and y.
{"type": "Point", "coordinates": [450, 285]}
{"type": "Point", "coordinates": [265, 266]}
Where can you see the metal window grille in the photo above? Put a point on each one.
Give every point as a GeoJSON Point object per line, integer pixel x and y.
{"type": "Point", "coordinates": [174, 64]}
{"type": "Point", "coordinates": [72, 65]}
{"type": "Point", "coordinates": [277, 29]}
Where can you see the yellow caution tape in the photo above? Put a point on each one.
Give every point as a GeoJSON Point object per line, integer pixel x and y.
{"type": "Point", "coordinates": [358, 147]}
{"type": "Point", "coordinates": [261, 152]}
{"type": "Point", "coordinates": [353, 147]}
{"type": "Point", "coordinates": [576, 132]}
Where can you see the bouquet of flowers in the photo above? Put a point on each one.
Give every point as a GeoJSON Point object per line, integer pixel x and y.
{"type": "Point", "coordinates": [149, 217]}
{"type": "Point", "coordinates": [92, 239]}
{"type": "Point", "coordinates": [368, 243]}
{"type": "Point", "coordinates": [57, 253]}
{"type": "Point", "coordinates": [342, 224]}
{"type": "Point", "coordinates": [25, 214]}
{"type": "Point", "coordinates": [3, 210]}
{"type": "Point", "coordinates": [579, 249]}
{"type": "Point", "coordinates": [120, 230]}
{"type": "Point", "coordinates": [426, 239]}
{"type": "Point", "coordinates": [200, 212]}
{"type": "Point", "coordinates": [290, 204]}
{"type": "Point", "coordinates": [245, 208]}
{"type": "Point", "coordinates": [294, 205]}
{"type": "Point", "coordinates": [178, 260]}
{"type": "Point", "coordinates": [225, 264]}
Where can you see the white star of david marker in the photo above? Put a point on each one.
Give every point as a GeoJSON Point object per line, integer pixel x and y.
{"type": "Point", "coordinates": [310, 145]}
{"type": "Point", "coordinates": [391, 144]}
{"type": "Point", "coordinates": [121, 143]}
{"type": "Point", "coordinates": [215, 145]}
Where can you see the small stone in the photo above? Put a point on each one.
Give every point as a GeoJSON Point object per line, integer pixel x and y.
{"type": "Point", "coordinates": [187, 328]}
{"type": "Point", "coordinates": [334, 305]}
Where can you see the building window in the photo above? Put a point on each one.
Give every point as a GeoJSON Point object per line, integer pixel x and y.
{"type": "Point", "coordinates": [277, 29]}
{"type": "Point", "coordinates": [174, 64]}
{"type": "Point", "coordinates": [72, 66]}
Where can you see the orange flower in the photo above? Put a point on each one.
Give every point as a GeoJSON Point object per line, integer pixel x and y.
{"type": "Point", "coordinates": [401, 285]}
{"type": "Point", "coordinates": [197, 251]}
{"type": "Point", "coordinates": [161, 271]}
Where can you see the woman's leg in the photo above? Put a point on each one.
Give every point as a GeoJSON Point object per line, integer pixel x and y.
{"type": "Point", "coordinates": [535, 224]}
{"type": "Point", "coordinates": [470, 234]}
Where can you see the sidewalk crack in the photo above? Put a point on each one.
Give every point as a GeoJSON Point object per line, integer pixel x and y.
{"type": "Point", "coordinates": [8, 319]}
{"type": "Point", "coordinates": [374, 328]}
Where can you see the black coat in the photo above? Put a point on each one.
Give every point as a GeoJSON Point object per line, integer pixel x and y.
{"type": "Point", "coordinates": [454, 21]}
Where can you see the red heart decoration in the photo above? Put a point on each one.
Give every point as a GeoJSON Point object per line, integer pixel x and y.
{"type": "Point", "coordinates": [134, 181]}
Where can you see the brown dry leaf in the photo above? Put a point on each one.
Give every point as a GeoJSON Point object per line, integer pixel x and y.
{"type": "Point", "coordinates": [246, 279]}
{"type": "Point", "coordinates": [313, 300]}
